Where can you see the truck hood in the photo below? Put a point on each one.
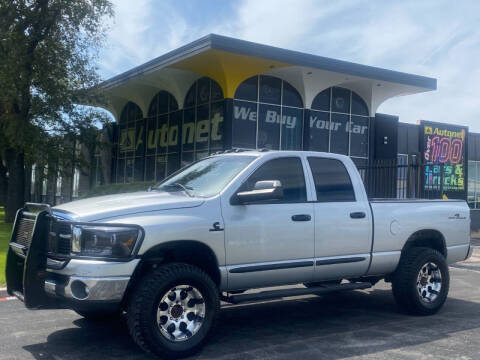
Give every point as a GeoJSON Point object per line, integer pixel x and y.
{"type": "Point", "coordinates": [103, 207]}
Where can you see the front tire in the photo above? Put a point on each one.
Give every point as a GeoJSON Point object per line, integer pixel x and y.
{"type": "Point", "coordinates": [421, 282]}
{"type": "Point", "coordinates": [173, 310]}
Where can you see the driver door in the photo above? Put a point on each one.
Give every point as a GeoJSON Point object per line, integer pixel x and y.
{"type": "Point", "coordinates": [271, 242]}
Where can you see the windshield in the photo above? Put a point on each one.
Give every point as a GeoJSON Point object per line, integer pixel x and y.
{"type": "Point", "coordinates": [206, 177]}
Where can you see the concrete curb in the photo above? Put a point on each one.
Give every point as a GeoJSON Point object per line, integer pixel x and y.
{"type": "Point", "coordinates": [3, 292]}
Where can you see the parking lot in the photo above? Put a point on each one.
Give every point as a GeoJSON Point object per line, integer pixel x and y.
{"type": "Point", "coordinates": [355, 325]}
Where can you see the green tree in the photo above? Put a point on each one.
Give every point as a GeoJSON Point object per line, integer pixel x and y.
{"type": "Point", "coordinates": [48, 50]}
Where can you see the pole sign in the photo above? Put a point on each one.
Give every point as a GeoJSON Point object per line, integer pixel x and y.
{"type": "Point", "coordinates": [444, 149]}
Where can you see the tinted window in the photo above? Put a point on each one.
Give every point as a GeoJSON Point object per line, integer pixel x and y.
{"type": "Point", "coordinates": [340, 100]}
{"type": "Point", "coordinates": [270, 89]}
{"type": "Point", "coordinates": [244, 124]}
{"type": "Point", "coordinates": [291, 97]}
{"type": "Point", "coordinates": [163, 100]}
{"type": "Point", "coordinates": [248, 90]}
{"type": "Point", "coordinates": [359, 136]}
{"type": "Point", "coordinates": [358, 105]}
{"type": "Point", "coordinates": [190, 98]}
{"type": "Point", "coordinates": [290, 173]}
{"type": "Point", "coordinates": [322, 100]}
{"type": "Point", "coordinates": [292, 129]}
{"type": "Point", "coordinates": [318, 125]}
{"type": "Point", "coordinates": [203, 90]}
{"type": "Point", "coordinates": [332, 181]}
{"type": "Point", "coordinates": [269, 127]}
{"type": "Point", "coordinates": [339, 134]}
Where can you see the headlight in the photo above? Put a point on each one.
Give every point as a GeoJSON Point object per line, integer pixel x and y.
{"type": "Point", "coordinates": [104, 241]}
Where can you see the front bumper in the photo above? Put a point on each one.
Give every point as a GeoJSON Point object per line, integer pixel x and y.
{"type": "Point", "coordinates": [86, 289]}
{"type": "Point", "coordinates": [43, 282]}
{"type": "Point", "coordinates": [90, 280]}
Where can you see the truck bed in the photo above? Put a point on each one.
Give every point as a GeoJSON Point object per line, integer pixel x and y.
{"type": "Point", "coordinates": [397, 221]}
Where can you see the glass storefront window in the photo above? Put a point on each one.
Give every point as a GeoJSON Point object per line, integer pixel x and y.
{"type": "Point", "coordinates": [358, 105]}
{"type": "Point", "coordinates": [150, 168]}
{"type": "Point", "coordinates": [290, 96]}
{"type": "Point", "coordinates": [248, 90]}
{"type": "Point", "coordinates": [339, 135]}
{"type": "Point", "coordinates": [244, 122]}
{"type": "Point", "coordinates": [268, 127]}
{"type": "Point", "coordinates": [258, 119]}
{"type": "Point", "coordinates": [341, 100]}
{"type": "Point", "coordinates": [322, 100]}
{"type": "Point", "coordinates": [162, 135]}
{"type": "Point", "coordinates": [473, 194]}
{"type": "Point", "coordinates": [339, 123]}
{"type": "Point", "coordinates": [270, 90]}
{"type": "Point", "coordinates": [266, 112]}
{"type": "Point", "coordinates": [292, 129]}
{"type": "Point", "coordinates": [141, 142]}
{"type": "Point", "coordinates": [319, 133]}
{"type": "Point", "coordinates": [359, 136]}
{"type": "Point", "coordinates": [131, 142]}
{"type": "Point", "coordinates": [203, 121]}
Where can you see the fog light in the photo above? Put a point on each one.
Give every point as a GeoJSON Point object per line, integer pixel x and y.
{"type": "Point", "coordinates": [80, 290]}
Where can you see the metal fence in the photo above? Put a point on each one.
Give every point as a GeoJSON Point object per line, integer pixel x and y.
{"type": "Point", "coordinates": [388, 179]}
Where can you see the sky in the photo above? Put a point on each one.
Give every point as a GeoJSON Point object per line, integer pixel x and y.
{"type": "Point", "coordinates": [437, 38]}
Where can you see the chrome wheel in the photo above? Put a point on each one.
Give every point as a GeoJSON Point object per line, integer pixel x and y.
{"type": "Point", "coordinates": [429, 282]}
{"type": "Point", "coordinates": [180, 313]}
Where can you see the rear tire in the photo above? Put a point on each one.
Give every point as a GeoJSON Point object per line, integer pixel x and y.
{"type": "Point", "coordinates": [421, 282]}
{"type": "Point", "coordinates": [173, 310]}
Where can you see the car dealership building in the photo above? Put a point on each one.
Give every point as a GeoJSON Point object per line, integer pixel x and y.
{"type": "Point", "coordinates": [219, 93]}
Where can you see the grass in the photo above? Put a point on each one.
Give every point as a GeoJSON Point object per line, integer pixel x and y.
{"type": "Point", "coordinates": [5, 230]}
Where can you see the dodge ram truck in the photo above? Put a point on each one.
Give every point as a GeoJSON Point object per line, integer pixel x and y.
{"type": "Point", "coordinates": [224, 228]}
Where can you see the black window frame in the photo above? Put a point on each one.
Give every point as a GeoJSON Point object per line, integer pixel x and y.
{"type": "Point", "coordinates": [314, 183]}
{"type": "Point", "coordinates": [274, 202]}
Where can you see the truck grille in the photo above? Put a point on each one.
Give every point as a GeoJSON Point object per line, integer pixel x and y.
{"type": "Point", "coordinates": [24, 232]}
{"type": "Point", "coordinates": [59, 238]}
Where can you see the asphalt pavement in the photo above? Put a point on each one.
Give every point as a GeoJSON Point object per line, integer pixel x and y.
{"type": "Point", "coordinates": [353, 325]}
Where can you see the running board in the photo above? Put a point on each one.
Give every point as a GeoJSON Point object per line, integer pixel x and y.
{"type": "Point", "coordinates": [275, 294]}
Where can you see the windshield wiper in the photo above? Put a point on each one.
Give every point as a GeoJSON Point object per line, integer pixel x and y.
{"type": "Point", "coordinates": [186, 189]}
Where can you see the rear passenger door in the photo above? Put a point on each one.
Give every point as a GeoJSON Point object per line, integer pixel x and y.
{"type": "Point", "coordinates": [342, 222]}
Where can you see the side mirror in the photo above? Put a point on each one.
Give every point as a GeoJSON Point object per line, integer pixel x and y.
{"type": "Point", "coordinates": [262, 191]}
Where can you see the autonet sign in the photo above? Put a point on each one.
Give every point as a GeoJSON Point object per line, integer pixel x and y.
{"type": "Point", "coordinates": [199, 132]}
{"type": "Point", "coordinates": [444, 153]}
{"type": "Point", "coordinates": [346, 135]}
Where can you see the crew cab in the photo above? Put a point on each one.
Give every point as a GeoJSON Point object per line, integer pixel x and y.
{"type": "Point", "coordinates": [223, 228]}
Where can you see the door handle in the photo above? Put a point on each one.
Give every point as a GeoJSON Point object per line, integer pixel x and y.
{"type": "Point", "coordinates": [301, 217]}
{"type": "Point", "coordinates": [357, 215]}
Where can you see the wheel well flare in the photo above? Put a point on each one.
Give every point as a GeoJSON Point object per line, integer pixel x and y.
{"type": "Point", "coordinates": [184, 251]}
{"type": "Point", "coordinates": [427, 238]}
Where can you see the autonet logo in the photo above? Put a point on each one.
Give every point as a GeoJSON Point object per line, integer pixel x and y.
{"type": "Point", "coordinates": [130, 140]}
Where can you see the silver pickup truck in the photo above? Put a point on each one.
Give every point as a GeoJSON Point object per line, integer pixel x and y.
{"type": "Point", "coordinates": [220, 230]}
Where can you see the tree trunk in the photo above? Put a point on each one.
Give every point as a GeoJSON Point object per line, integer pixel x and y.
{"type": "Point", "coordinates": [39, 173]}
{"type": "Point", "coordinates": [3, 184]}
{"type": "Point", "coordinates": [28, 182]}
{"type": "Point", "coordinates": [16, 183]}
